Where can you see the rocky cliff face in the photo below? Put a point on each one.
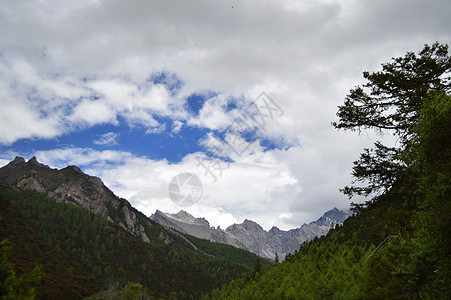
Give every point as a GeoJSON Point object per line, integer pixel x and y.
{"type": "Point", "coordinates": [268, 244]}
{"type": "Point", "coordinates": [198, 227]}
{"type": "Point", "coordinates": [251, 236]}
{"type": "Point", "coordinates": [71, 185]}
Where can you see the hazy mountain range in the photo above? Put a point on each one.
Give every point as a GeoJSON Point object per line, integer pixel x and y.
{"type": "Point", "coordinates": [249, 235]}
{"type": "Point", "coordinates": [71, 185]}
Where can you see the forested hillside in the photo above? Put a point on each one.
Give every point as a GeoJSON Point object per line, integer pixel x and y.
{"type": "Point", "coordinates": [167, 267]}
{"type": "Point", "coordinates": [25, 254]}
{"type": "Point", "coordinates": [397, 244]}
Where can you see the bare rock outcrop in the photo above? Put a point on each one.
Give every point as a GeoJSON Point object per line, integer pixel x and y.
{"type": "Point", "coordinates": [249, 235]}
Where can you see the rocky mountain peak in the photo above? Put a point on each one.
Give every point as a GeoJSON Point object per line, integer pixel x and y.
{"type": "Point", "coordinates": [74, 169]}
{"type": "Point", "coordinates": [72, 185]}
{"type": "Point", "coordinates": [159, 212]}
{"type": "Point", "coordinates": [247, 225]}
{"type": "Point", "coordinates": [251, 225]}
{"type": "Point", "coordinates": [18, 160]}
{"type": "Point", "coordinates": [250, 235]}
{"type": "Point", "coordinates": [332, 217]}
{"type": "Point", "coordinates": [185, 217]}
{"type": "Point", "coordinates": [33, 160]}
{"type": "Point", "coordinates": [199, 227]}
{"type": "Point", "coordinates": [34, 163]}
{"type": "Point", "coordinates": [274, 230]}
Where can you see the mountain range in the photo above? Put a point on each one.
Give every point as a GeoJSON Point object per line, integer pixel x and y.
{"type": "Point", "coordinates": [250, 236]}
{"type": "Point", "coordinates": [86, 240]}
{"type": "Point", "coordinates": [71, 185]}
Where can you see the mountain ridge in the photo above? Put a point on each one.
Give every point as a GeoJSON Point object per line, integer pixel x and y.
{"type": "Point", "coordinates": [72, 185]}
{"type": "Point", "coordinates": [77, 214]}
{"type": "Point", "coordinates": [249, 235]}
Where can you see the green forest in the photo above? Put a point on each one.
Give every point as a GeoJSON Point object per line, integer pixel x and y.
{"type": "Point", "coordinates": [86, 248]}
{"type": "Point", "coordinates": [397, 244]}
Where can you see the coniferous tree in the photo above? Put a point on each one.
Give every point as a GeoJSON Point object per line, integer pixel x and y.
{"type": "Point", "coordinates": [391, 100]}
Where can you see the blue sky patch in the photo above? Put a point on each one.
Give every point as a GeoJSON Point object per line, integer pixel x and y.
{"type": "Point", "coordinates": [164, 145]}
{"type": "Point", "coordinates": [196, 101]}
{"type": "Point", "coordinates": [171, 81]}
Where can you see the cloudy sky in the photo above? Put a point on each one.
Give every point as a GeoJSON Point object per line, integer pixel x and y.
{"type": "Point", "coordinates": [240, 93]}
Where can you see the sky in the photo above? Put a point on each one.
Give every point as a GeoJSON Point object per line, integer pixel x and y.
{"type": "Point", "coordinates": [239, 93]}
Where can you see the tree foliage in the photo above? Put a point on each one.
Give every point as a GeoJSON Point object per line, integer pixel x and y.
{"type": "Point", "coordinates": [392, 98]}
{"type": "Point", "coordinates": [62, 277]}
{"type": "Point", "coordinates": [409, 97]}
{"type": "Point", "coordinates": [391, 101]}
{"type": "Point", "coordinates": [14, 287]}
{"type": "Point", "coordinates": [427, 256]}
{"type": "Point", "coordinates": [110, 253]}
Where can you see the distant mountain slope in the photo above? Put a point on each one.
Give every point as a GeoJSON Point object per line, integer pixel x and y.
{"type": "Point", "coordinates": [198, 227]}
{"type": "Point", "coordinates": [251, 236]}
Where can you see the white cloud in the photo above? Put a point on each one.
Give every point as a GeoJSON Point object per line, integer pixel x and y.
{"type": "Point", "coordinates": [176, 126]}
{"type": "Point", "coordinates": [128, 96]}
{"type": "Point", "coordinates": [82, 157]}
{"type": "Point", "coordinates": [48, 105]}
{"type": "Point", "coordinates": [213, 114]}
{"type": "Point", "coordinates": [107, 139]}
{"type": "Point", "coordinates": [93, 112]}
{"type": "Point", "coordinates": [4, 162]}
{"type": "Point", "coordinates": [157, 130]}
{"type": "Point", "coordinates": [31, 106]}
